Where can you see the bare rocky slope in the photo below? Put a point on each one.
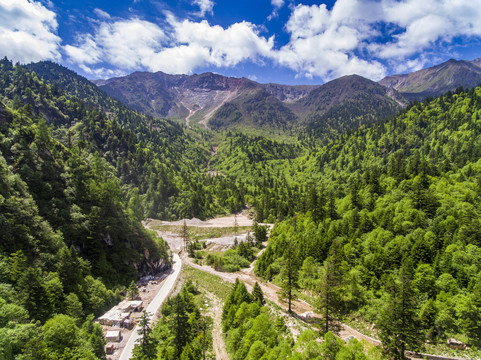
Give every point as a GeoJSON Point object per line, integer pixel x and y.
{"type": "Point", "coordinates": [178, 96]}
{"type": "Point", "coordinates": [226, 102]}
{"type": "Point", "coordinates": [436, 80]}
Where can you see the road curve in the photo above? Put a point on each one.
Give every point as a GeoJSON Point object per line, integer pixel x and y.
{"type": "Point", "coordinates": [155, 304]}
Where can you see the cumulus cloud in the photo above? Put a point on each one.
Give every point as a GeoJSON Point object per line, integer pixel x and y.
{"type": "Point", "coordinates": [325, 43]}
{"type": "Point", "coordinates": [28, 31]}
{"type": "Point", "coordinates": [426, 24]}
{"type": "Point", "coordinates": [366, 37]}
{"type": "Point", "coordinates": [123, 43]}
{"type": "Point", "coordinates": [136, 44]}
{"type": "Point", "coordinates": [205, 6]}
{"type": "Point", "coordinates": [347, 38]}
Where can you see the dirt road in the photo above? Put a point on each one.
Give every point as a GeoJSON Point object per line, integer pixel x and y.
{"type": "Point", "coordinates": [271, 291]}
{"type": "Point", "coordinates": [215, 312]}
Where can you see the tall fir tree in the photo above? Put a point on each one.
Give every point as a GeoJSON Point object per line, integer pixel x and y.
{"type": "Point", "coordinates": [257, 294]}
{"type": "Point", "coordinates": [146, 347]}
{"type": "Point", "coordinates": [399, 324]}
{"type": "Point", "coordinates": [331, 289]}
{"type": "Point", "coordinates": [289, 274]}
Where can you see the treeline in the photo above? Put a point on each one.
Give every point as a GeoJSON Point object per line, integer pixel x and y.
{"type": "Point", "coordinates": [398, 203]}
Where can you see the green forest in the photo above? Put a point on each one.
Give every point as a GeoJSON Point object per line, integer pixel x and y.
{"type": "Point", "coordinates": [377, 223]}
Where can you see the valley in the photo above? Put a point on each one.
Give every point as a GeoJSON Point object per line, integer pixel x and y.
{"type": "Point", "coordinates": [271, 292]}
{"type": "Point", "coordinates": [347, 197]}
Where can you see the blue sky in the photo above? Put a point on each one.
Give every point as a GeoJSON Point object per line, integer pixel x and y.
{"type": "Point", "coordinates": [282, 41]}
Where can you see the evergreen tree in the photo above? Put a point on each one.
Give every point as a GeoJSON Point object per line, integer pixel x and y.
{"type": "Point", "coordinates": [257, 294]}
{"type": "Point", "coordinates": [289, 274]}
{"type": "Point", "coordinates": [260, 234]}
{"type": "Point", "coordinates": [185, 236]}
{"type": "Point", "coordinates": [331, 289]}
{"type": "Point", "coordinates": [398, 323]}
{"type": "Point", "coordinates": [146, 346]}
{"type": "Point", "coordinates": [180, 325]}
{"type": "Point", "coordinates": [132, 291]}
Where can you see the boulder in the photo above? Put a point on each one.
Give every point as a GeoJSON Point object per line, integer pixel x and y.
{"type": "Point", "coordinates": [456, 344]}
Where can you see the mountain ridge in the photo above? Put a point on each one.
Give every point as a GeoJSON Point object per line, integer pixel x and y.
{"type": "Point", "coordinates": [227, 102]}
{"type": "Point", "coordinates": [436, 80]}
{"type": "Point", "coordinates": [180, 96]}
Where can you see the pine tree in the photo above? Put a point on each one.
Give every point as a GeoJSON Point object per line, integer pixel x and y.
{"type": "Point", "coordinates": [146, 346]}
{"type": "Point", "coordinates": [236, 225]}
{"type": "Point", "coordinates": [260, 234]}
{"type": "Point", "coordinates": [289, 274]}
{"type": "Point", "coordinates": [257, 294]}
{"type": "Point", "coordinates": [185, 236]}
{"type": "Point", "coordinates": [180, 325]}
{"type": "Point", "coordinates": [331, 289]}
{"type": "Point", "coordinates": [398, 323]}
{"type": "Point", "coordinates": [132, 291]}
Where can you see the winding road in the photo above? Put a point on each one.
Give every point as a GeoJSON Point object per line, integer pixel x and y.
{"type": "Point", "coordinates": [155, 304]}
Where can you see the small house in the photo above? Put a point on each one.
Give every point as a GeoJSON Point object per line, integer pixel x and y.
{"type": "Point", "coordinates": [113, 336]}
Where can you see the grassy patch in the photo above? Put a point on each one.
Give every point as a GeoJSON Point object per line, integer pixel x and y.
{"type": "Point", "coordinates": [209, 282]}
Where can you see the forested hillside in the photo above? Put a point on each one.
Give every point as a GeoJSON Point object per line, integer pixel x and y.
{"type": "Point", "coordinates": [392, 215]}
{"type": "Point", "coordinates": [375, 219]}
{"type": "Point", "coordinates": [162, 168]}
{"type": "Point", "coordinates": [67, 246]}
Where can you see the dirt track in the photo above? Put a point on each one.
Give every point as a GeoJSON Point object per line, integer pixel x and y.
{"type": "Point", "coordinates": [245, 275]}
{"type": "Point", "coordinates": [215, 312]}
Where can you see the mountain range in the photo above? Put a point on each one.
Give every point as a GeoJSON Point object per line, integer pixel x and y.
{"type": "Point", "coordinates": [216, 101]}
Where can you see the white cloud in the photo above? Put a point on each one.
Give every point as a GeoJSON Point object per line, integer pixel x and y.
{"type": "Point", "coordinates": [137, 44]}
{"type": "Point", "coordinates": [365, 37]}
{"type": "Point", "coordinates": [87, 53]}
{"type": "Point", "coordinates": [277, 4]}
{"type": "Point", "coordinates": [325, 43]}
{"type": "Point", "coordinates": [102, 14]}
{"type": "Point", "coordinates": [226, 47]}
{"type": "Point", "coordinates": [28, 31]}
{"type": "Point", "coordinates": [428, 23]}
{"type": "Point", "coordinates": [205, 6]}
{"type": "Point", "coordinates": [102, 72]}
{"type": "Point", "coordinates": [345, 39]}
{"type": "Point", "coordinates": [124, 43]}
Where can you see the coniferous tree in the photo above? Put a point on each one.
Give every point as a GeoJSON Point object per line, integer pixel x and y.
{"type": "Point", "coordinates": [289, 274]}
{"type": "Point", "coordinates": [331, 290]}
{"type": "Point", "coordinates": [146, 347]}
{"type": "Point", "coordinates": [132, 291]}
{"type": "Point", "coordinates": [185, 236]}
{"type": "Point", "coordinates": [398, 323]}
{"type": "Point", "coordinates": [180, 323]}
{"type": "Point", "coordinates": [257, 294]}
{"type": "Point", "coordinates": [260, 234]}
